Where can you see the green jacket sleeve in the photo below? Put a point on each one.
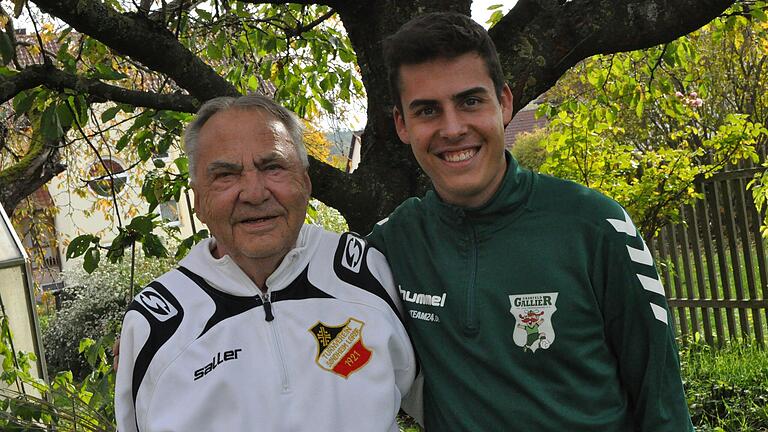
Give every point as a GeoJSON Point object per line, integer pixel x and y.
{"type": "Point", "coordinates": [639, 329]}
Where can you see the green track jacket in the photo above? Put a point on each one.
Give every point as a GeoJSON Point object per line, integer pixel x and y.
{"type": "Point", "coordinates": [539, 311]}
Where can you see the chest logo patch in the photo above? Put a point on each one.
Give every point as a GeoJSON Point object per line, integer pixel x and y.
{"type": "Point", "coordinates": [156, 304]}
{"type": "Point", "coordinates": [533, 320]}
{"type": "Point", "coordinates": [340, 349]}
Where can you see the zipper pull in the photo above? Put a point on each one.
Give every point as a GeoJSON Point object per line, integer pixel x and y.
{"type": "Point", "coordinates": [268, 316]}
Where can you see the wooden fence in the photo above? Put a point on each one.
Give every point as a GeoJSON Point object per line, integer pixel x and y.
{"type": "Point", "coordinates": [714, 266]}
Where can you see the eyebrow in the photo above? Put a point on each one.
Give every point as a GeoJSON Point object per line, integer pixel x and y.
{"type": "Point", "coordinates": [223, 166]}
{"type": "Point", "coordinates": [416, 103]}
{"type": "Point", "coordinates": [270, 157]}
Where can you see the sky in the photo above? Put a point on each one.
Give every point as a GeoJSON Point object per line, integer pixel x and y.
{"type": "Point", "coordinates": [480, 12]}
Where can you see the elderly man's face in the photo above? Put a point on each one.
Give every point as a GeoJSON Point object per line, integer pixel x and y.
{"type": "Point", "coordinates": [251, 188]}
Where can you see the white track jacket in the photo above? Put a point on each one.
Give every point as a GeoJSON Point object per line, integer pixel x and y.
{"type": "Point", "coordinates": [202, 349]}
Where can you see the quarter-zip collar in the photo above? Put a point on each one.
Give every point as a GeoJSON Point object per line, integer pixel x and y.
{"type": "Point", "coordinates": [511, 197]}
{"type": "Point", "coordinates": [226, 276]}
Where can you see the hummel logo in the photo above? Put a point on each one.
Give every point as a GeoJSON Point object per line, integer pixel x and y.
{"type": "Point", "coordinates": [218, 359]}
{"type": "Point", "coordinates": [424, 299]}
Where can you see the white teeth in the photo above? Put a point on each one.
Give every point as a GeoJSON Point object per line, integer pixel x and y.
{"type": "Point", "coordinates": [459, 155]}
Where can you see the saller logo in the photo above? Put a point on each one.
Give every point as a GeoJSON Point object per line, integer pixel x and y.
{"type": "Point", "coordinates": [218, 359]}
{"type": "Point", "coordinates": [156, 304]}
{"type": "Point", "coordinates": [353, 254]}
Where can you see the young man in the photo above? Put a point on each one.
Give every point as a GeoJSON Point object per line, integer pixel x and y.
{"type": "Point", "coordinates": [271, 325]}
{"type": "Point", "coordinates": [533, 302]}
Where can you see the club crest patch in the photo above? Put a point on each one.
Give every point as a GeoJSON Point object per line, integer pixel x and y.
{"type": "Point", "coordinates": [340, 349]}
{"type": "Point", "coordinates": [533, 320]}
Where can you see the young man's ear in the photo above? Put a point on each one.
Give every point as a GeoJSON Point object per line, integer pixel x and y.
{"type": "Point", "coordinates": [507, 104]}
{"type": "Point", "coordinates": [402, 131]}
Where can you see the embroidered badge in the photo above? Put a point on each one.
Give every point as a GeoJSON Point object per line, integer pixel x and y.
{"type": "Point", "coordinates": [533, 318]}
{"type": "Point", "coordinates": [340, 349]}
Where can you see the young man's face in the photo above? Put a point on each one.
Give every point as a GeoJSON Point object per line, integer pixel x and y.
{"type": "Point", "coordinates": [454, 123]}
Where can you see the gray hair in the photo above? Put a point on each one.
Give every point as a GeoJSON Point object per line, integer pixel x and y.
{"type": "Point", "coordinates": [247, 102]}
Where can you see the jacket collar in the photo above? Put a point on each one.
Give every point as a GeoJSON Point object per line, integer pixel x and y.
{"type": "Point", "coordinates": [226, 276]}
{"type": "Point", "coordinates": [512, 195]}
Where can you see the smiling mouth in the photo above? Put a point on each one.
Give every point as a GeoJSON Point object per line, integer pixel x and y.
{"type": "Point", "coordinates": [459, 156]}
{"type": "Point", "coordinates": [257, 220]}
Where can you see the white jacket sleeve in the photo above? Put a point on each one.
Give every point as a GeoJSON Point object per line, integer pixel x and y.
{"type": "Point", "coordinates": [132, 337]}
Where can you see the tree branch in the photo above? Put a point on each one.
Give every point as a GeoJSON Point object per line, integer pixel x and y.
{"type": "Point", "coordinates": [56, 79]}
{"type": "Point", "coordinates": [538, 40]}
{"type": "Point", "coordinates": [128, 34]}
{"type": "Point", "coordinates": [303, 28]}
{"type": "Point", "coordinates": [36, 168]}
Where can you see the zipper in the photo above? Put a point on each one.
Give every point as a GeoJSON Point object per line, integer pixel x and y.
{"type": "Point", "coordinates": [269, 317]}
{"type": "Point", "coordinates": [470, 326]}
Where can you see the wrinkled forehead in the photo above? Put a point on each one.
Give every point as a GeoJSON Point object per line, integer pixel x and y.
{"type": "Point", "coordinates": [244, 125]}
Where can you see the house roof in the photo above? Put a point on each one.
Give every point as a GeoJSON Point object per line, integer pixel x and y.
{"type": "Point", "coordinates": [524, 121]}
{"type": "Point", "coordinates": [24, 52]}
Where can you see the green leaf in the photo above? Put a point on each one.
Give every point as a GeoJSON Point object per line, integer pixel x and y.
{"type": "Point", "coordinates": [80, 105]}
{"type": "Point", "coordinates": [496, 16]}
{"type": "Point", "coordinates": [110, 113]}
{"type": "Point", "coordinates": [143, 120]}
{"type": "Point", "coordinates": [18, 7]}
{"type": "Point", "coordinates": [23, 101]}
{"type": "Point", "coordinates": [544, 110]}
{"type": "Point", "coordinates": [80, 244]}
{"type": "Point", "coordinates": [327, 105]}
{"type": "Point", "coordinates": [758, 14]}
{"type": "Point", "coordinates": [182, 163]}
{"type": "Point", "coordinates": [105, 72]}
{"type": "Point", "coordinates": [64, 115]}
{"type": "Point", "coordinates": [122, 142]}
{"type": "Point", "coordinates": [85, 344]}
{"type": "Point", "coordinates": [92, 258]}
{"type": "Point", "coordinates": [639, 107]}
{"type": "Point", "coordinates": [153, 246]}
{"type": "Point", "coordinates": [204, 14]}
{"type": "Point", "coordinates": [213, 52]}
{"type": "Point", "coordinates": [141, 224]}
{"type": "Point", "coordinates": [346, 56]}
{"type": "Point", "coordinates": [50, 125]}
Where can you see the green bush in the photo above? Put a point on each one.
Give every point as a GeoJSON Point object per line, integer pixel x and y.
{"type": "Point", "coordinates": [727, 389]}
{"type": "Point", "coordinates": [92, 307]}
{"type": "Point", "coordinates": [530, 149]}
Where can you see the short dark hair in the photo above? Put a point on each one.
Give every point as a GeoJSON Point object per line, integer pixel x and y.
{"type": "Point", "coordinates": [439, 35]}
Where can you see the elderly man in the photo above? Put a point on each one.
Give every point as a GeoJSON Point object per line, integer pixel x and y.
{"type": "Point", "coordinates": [271, 325]}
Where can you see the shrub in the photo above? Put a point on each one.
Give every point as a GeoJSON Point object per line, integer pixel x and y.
{"type": "Point", "coordinates": [530, 149]}
{"type": "Point", "coordinates": [92, 307]}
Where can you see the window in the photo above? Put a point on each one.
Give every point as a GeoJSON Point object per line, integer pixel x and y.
{"type": "Point", "coordinates": [169, 212]}
{"type": "Point", "coordinates": [100, 182]}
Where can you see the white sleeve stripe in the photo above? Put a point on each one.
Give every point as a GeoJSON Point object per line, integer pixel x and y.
{"type": "Point", "coordinates": [660, 313]}
{"type": "Point", "coordinates": [640, 256]}
{"type": "Point", "coordinates": [651, 284]}
{"type": "Point", "coordinates": [624, 226]}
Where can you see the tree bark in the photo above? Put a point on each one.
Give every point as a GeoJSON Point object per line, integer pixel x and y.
{"type": "Point", "coordinates": [36, 168]}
